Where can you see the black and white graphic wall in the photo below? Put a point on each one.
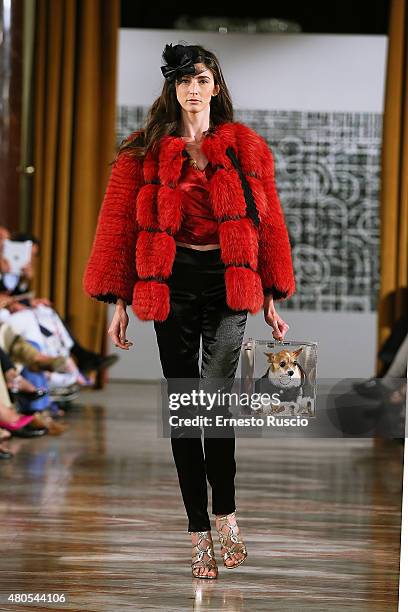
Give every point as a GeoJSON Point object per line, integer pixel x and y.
{"type": "Point", "coordinates": [327, 173]}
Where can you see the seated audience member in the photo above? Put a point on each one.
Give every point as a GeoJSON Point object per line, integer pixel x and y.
{"type": "Point", "coordinates": [32, 364]}
{"type": "Point", "coordinates": [36, 320]}
{"type": "Point", "coordinates": [26, 354]}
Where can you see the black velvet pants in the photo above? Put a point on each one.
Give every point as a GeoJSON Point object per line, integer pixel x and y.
{"type": "Point", "coordinates": [198, 308]}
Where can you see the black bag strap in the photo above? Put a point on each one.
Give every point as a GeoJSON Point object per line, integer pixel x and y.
{"type": "Point", "coordinates": [251, 209]}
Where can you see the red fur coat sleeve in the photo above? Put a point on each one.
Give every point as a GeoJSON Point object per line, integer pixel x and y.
{"type": "Point", "coordinates": [111, 270]}
{"type": "Point", "coordinates": [274, 256]}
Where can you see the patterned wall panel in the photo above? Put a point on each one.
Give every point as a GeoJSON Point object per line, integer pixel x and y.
{"type": "Point", "coordinates": [328, 180]}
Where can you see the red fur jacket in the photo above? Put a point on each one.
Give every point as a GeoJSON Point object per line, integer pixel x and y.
{"type": "Point", "coordinates": [134, 249]}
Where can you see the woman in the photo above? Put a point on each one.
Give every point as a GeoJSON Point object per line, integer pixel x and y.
{"type": "Point", "coordinates": [191, 234]}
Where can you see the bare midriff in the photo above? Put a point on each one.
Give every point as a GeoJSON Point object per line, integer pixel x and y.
{"type": "Point", "coordinates": [199, 247]}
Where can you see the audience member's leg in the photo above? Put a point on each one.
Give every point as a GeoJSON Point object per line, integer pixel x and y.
{"type": "Point", "coordinates": [24, 353]}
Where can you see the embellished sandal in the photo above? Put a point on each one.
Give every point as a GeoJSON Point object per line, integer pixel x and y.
{"type": "Point", "coordinates": [230, 540]}
{"type": "Point", "coordinates": [204, 546]}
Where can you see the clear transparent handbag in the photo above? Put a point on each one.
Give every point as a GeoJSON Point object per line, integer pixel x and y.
{"type": "Point", "coordinates": [283, 370]}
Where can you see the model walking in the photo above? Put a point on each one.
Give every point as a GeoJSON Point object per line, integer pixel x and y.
{"type": "Point", "coordinates": [192, 235]}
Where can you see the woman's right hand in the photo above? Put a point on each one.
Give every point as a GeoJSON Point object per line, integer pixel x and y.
{"type": "Point", "coordinates": [117, 328]}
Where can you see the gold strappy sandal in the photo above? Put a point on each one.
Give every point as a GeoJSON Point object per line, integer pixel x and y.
{"type": "Point", "coordinates": [230, 539]}
{"type": "Point", "coordinates": [204, 546]}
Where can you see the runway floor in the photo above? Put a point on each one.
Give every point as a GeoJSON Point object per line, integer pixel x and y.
{"type": "Point", "coordinates": [96, 515]}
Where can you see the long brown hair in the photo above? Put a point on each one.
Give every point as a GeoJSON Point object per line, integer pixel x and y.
{"type": "Point", "coordinates": [164, 114]}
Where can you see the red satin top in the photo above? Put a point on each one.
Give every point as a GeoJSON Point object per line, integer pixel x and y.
{"type": "Point", "coordinates": [198, 225]}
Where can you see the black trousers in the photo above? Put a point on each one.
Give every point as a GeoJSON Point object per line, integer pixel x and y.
{"type": "Point", "coordinates": [198, 308]}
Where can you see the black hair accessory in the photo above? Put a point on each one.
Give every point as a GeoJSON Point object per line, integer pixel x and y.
{"type": "Point", "coordinates": [179, 60]}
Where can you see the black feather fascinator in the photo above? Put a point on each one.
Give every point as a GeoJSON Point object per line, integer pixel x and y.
{"type": "Point", "coordinates": [180, 60]}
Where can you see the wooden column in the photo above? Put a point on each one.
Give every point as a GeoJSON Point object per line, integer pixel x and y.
{"type": "Point", "coordinates": [11, 31]}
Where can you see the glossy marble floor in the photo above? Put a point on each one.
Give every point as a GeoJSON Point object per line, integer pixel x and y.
{"type": "Point", "coordinates": [96, 515]}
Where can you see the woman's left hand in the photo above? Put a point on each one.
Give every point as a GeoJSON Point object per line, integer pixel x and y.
{"type": "Point", "coordinates": [272, 318]}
